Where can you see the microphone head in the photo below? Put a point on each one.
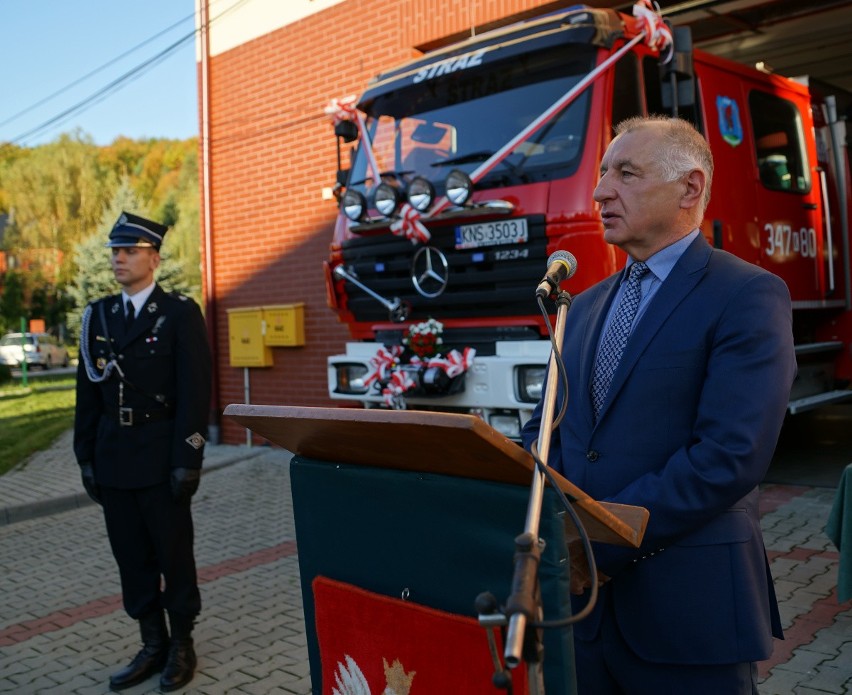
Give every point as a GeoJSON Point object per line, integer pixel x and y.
{"type": "Point", "coordinates": [566, 258]}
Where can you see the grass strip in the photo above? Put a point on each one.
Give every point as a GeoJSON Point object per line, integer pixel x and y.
{"type": "Point", "coordinates": [31, 419]}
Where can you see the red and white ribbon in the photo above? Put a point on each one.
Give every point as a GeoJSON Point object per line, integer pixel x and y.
{"type": "Point", "coordinates": [343, 109]}
{"type": "Point", "coordinates": [383, 362]}
{"type": "Point", "coordinates": [399, 383]}
{"type": "Point", "coordinates": [460, 362]}
{"type": "Point", "coordinates": [410, 226]}
{"type": "Point", "coordinates": [455, 362]}
{"type": "Point", "coordinates": [657, 35]}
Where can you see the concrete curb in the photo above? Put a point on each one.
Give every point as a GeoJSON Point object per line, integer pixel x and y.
{"type": "Point", "coordinates": [33, 510]}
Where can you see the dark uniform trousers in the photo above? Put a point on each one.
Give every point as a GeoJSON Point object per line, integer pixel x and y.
{"type": "Point", "coordinates": [151, 534]}
{"type": "Point", "coordinates": [136, 422]}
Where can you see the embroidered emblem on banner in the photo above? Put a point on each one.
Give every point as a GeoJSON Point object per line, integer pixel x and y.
{"type": "Point", "coordinates": [196, 441]}
{"type": "Point", "coordinates": [404, 649]}
{"type": "Point", "coordinates": [350, 680]}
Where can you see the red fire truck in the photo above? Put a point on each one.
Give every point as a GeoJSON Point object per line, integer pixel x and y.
{"type": "Point", "coordinates": [470, 167]}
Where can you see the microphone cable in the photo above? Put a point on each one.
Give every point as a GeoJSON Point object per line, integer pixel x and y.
{"type": "Point", "coordinates": [566, 503]}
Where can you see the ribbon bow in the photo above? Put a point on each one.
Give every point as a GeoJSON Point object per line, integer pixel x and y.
{"type": "Point", "coordinates": [455, 362]}
{"type": "Point", "coordinates": [342, 109]}
{"type": "Point", "coordinates": [657, 35]}
{"type": "Point", "coordinates": [382, 363]}
{"type": "Point", "coordinates": [399, 383]}
{"type": "Point", "coordinates": [460, 362]}
{"type": "Point", "coordinates": [410, 226]}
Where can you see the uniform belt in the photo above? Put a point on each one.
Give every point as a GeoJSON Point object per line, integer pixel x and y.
{"type": "Point", "coordinates": [128, 417]}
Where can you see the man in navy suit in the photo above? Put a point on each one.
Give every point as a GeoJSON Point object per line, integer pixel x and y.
{"type": "Point", "coordinates": [679, 374]}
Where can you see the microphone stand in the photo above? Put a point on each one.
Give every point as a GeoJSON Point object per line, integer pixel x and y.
{"type": "Point", "coordinates": [524, 604]}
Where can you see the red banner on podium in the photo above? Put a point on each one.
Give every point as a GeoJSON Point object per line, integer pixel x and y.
{"type": "Point", "coordinates": [372, 644]}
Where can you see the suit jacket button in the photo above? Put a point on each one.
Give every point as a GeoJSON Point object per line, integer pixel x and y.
{"type": "Point", "coordinates": [592, 455]}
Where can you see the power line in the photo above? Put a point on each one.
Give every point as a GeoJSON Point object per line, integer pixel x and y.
{"type": "Point", "coordinates": [94, 72]}
{"type": "Point", "coordinates": [104, 92]}
{"type": "Point", "coordinates": [132, 74]}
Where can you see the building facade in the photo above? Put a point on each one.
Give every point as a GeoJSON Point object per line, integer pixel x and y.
{"type": "Point", "coordinates": [267, 70]}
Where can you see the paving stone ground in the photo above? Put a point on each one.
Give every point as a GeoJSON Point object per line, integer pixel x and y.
{"type": "Point", "coordinates": [63, 630]}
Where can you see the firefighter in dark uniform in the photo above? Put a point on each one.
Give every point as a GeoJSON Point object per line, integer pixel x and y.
{"type": "Point", "coordinates": [143, 396]}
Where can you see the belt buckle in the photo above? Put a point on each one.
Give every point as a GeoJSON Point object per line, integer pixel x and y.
{"type": "Point", "coordinates": [125, 417]}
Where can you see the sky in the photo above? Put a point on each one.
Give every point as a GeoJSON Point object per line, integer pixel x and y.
{"type": "Point", "coordinates": [117, 67]}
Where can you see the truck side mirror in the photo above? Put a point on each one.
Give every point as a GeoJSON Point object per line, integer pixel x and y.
{"type": "Point", "coordinates": [678, 76]}
{"type": "Point", "coordinates": [346, 130]}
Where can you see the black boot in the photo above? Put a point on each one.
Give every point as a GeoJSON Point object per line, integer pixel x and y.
{"type": "Point", "coordinates": [152, 656]}
{"type": "Point", "coordinates": [180, 666]}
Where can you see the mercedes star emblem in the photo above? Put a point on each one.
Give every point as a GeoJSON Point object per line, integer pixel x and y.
{"type": "Point", "coordinates": [429, 271]}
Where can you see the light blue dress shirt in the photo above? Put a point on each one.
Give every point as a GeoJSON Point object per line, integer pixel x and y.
{"type": "Point", "coordinates": [659, 265]}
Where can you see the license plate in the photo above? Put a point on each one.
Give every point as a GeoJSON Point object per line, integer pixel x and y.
{"type": "Point", "coordinates": [472, 236]}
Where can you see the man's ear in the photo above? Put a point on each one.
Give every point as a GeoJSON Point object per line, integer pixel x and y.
{"type": "Point", "coordinates": [694, 193]}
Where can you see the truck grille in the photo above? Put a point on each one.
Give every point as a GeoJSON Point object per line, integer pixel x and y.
{"type": "Point", "coordinates": [481, 283]}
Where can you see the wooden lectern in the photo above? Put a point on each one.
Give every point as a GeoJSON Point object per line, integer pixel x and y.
{"type": "Point", "coordinates": [426, 506]}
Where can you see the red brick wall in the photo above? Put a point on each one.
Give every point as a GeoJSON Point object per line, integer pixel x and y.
{"type": "Point", "coordinates": [272, 152]}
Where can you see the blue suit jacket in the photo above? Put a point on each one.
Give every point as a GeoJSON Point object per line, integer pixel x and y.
{"type": "Point", "coordinates": [688, 431]}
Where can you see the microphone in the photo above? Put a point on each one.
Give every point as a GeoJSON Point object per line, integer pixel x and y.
{"type": "Point", "coordinates": [560, 266]}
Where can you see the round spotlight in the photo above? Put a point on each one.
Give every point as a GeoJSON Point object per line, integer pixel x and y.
{"type": "Point", "coordinates": [354, 205]}
{"type": "Point", "coordinates": [459, 187]}
{"type": "Point", "coordinates": [421, 194]}
{"type": "Point", "coordinates": [386, 199]}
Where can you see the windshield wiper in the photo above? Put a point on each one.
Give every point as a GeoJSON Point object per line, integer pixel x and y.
{"type": "Point", "coordinates": [517, 172]}
{"type": "Point", "coordinates": [480, 156]}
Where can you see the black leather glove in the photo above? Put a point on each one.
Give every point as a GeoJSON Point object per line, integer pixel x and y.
{"type": "Point", "coordinates": [88, 475]}
{"type": "Point", "coordinates": [184, 483]}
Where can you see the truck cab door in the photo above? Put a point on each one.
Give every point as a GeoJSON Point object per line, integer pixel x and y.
{"type": "Point", "coordinates": [787, 202]}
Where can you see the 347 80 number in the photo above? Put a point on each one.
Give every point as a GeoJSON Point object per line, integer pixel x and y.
{"type": "Point", "coordinates": [782, 240]}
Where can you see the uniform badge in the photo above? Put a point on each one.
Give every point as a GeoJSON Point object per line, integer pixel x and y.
{"type": "Point", "coordinates": [196, 441]}
{"type": "Point", "coordinates": [114, 308]}
{"type": "Point", "coordinates": [101, 363]}
{"type": "Point", "coordinates": [152, 307]}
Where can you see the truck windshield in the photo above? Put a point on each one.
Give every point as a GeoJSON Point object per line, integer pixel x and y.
{"type": "Point", "coordinates": [459, 120]}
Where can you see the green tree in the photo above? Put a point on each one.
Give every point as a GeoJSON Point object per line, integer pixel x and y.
{"type": "Point", "coordinates": [61, 195]}
{"type": "Point", "coordinates": [12, 301]}
{"type": "Point", "coordinates": [57, 192]}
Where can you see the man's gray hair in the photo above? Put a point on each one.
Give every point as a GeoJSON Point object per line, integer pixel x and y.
{"type": "Point", "coordinates": [685, 149]}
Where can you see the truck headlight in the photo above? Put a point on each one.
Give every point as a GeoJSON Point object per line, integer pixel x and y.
{"type": "Point", "coordinates": [459, 187]}
{"type": "Point", "coordinates": [530, 382]}
{"type": "Point", "coordinates": [350, 377]}
{"type": "Point", "coordinates": [506, 424]}
{"type": "Point", "coordinates": [354, 205]}
{"type": "Point", "coordinates": [421, 194]}
{"type": "Point", "coordinates": [386, 199]}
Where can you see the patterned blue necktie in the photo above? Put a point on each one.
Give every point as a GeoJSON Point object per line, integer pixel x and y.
{"type": "Point", "coordinates": [616, 336]}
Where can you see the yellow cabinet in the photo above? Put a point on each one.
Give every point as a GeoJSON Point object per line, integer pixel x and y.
{"type": "Point", "coordinates": [285, 325]}
{"type": "Point", "coordinates": [246, 338]}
